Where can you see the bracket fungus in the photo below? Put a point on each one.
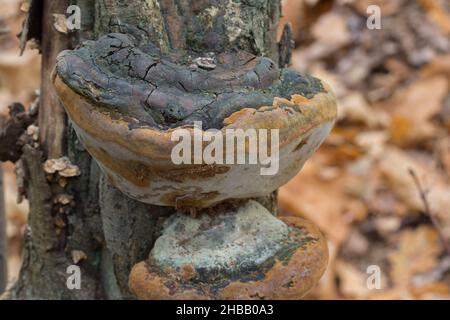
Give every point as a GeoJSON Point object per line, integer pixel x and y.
{"type": "Point", "coordinates": [125, 103]}
{"type": "Point", "coordinates": [241, 253]}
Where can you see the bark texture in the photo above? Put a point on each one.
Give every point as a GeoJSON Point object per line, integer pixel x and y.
{"type": "Point", "coordinates": [3, 270]}
{"type": "Point", "coordinates": [101, 230]}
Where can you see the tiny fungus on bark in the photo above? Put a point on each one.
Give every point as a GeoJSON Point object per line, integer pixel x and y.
{"type": "Point", "coordinates": [125, 102]}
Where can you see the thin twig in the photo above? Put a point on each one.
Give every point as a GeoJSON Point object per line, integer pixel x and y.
{"type": "Point", "coordinates": [427, 211]}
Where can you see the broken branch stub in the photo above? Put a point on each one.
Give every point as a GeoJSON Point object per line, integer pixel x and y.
{"type": "Point", "coordinates": [126, 101]}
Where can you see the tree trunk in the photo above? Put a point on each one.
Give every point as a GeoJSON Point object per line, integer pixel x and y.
{"type": "Point", "coordinates": [3, 255]}
{"type": "Point", "coordinates": [101, 230]}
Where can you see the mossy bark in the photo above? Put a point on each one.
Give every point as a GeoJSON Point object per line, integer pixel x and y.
{"type": "Point", "coordinates": [113, 231]}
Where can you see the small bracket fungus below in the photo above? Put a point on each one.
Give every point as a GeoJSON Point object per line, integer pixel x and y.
{"type": "Point", "coordinates": [125, 101]}
{"type": "Point", "coordinates": [245, 253]}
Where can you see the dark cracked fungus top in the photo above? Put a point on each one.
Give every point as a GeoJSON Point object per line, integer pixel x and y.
{"type": "Point", "coordinates": [176, 89]}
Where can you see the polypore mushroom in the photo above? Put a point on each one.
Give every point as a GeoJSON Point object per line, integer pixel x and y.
{"type": "Point", "coordinates": [126, 102]}
{"type": "Point", "coordinates": [237, 253]}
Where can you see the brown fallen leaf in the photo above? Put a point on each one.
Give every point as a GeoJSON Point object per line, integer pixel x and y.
{"type": "Point", "coordinates": [437, 13]}
{"type": "Point", "coordinates": [14, 69]}
{"type": "Point", "coordinates": [395, 166]}
{"type": "Point", "coordinates": [417, 252]}
{"type": "Point", "coordinates": [353, 107]}
{"type": "Point", "coordinates": [326, 42]}
{"type": "Point", "coordinates": [304, 194]}
{"type": "Point", "coordinates": [336, 36]}
{"type": "Point", "coordinates": [301, 14]}
{"type": "Point", "coordinates": [439, 66]}
{"type": "Point", "coordinates": [420, 100]}
{"type": "Point", "coordinates": [406, 131]}
{"type": "Point", "coordinates": [431, 291]}
{"type": "Point", "coordinates": [387, 7]}
{"type": "Point", "coordinates": [412, 107]}
{"type": "Point", "coordinates": [352, 282]}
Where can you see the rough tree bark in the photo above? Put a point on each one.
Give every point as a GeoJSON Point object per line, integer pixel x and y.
{"type": "Point", "coordinates": [3, 270]}
{"type": "Point", "coordinates": [101, 230]}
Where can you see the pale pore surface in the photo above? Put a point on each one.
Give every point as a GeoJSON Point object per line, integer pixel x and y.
{"type": "Point", "coordinates": [232, 240]}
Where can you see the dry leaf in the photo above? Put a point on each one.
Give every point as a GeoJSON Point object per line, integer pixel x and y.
{"type": "Point", "coordinates": [387, 7]}
{"type": "Point", "coordinates": [327, 42]}
{"type": "Point", "coordinates": [353, 283]}
{"type": "Point", "coordinates": [395, 166]}
{"type": "Point", "coordinates": [418, 252]}
{"type": "Point", "coordinates": [437, 13]}
{"type": "Point", "coordinates": [412, 108]}
{"type": "Point", "coordinates": [405, 132]}
{"type": "Point", "coordinates": [304, 194]}
{"type": "Point", "coordinates": [354, 107]}
{"type": "Point", "coordinates": [439, 66]}
{"type": "Point", "coordinates": [434, 290]}
{"type": "Point", "coordinates": [421, 100]}
{"type": "Point", "coordinates": [331, 30]}
{"type": "Point", "coordinates": [372, 141]}
{"type": "Point", "coordinates": [301, 14]}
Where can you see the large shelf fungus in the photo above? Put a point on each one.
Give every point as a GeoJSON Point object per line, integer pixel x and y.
{"type": "Point", "coordinates": [131, 106]}
{"type": "Point", "coordinates": [125, 104]}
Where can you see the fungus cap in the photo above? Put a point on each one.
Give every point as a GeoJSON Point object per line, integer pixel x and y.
{"type": "Point", "coordinates": [245, 254]}
{"type": "Point", "coordinates": [125, 103]}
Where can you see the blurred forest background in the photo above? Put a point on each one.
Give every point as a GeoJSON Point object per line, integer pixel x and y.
{"type": "Point", "coordinates": [379, 187]}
